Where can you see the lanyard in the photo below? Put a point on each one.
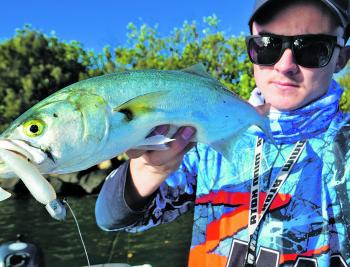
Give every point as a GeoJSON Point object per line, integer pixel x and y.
{"type": "Point", "coordinates": [254, 217]}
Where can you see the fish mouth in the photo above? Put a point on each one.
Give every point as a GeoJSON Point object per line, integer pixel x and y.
{"type": "Point", "coordinates": [42, 159]}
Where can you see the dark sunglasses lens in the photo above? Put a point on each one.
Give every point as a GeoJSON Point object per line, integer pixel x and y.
{"type": "Point", "coordinates": [264, 50]}
{"type": "Point", "coordinates": [313, 52]}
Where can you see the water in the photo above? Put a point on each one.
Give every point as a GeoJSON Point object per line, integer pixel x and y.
{"type": "Point", "coordinates": [166, 245]}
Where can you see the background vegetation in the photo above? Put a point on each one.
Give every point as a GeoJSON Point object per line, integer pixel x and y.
{"type": "Point", "coordinates": [34, 65]}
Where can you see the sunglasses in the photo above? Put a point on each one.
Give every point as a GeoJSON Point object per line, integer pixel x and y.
{"type": "Point", "coordinates": [309, 50]}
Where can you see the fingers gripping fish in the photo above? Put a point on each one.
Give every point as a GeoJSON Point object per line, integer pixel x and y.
{"type": "Point", "coordinates": [98, 118]}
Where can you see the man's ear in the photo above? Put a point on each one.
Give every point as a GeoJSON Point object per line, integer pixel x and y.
{"type": "Point", "coordinates": [343, 58]}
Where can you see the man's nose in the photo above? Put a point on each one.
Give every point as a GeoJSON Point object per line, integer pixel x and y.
{"type": "Point", "coordinates": [286, 64]}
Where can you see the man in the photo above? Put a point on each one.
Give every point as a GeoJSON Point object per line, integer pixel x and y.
{"type": "Point", "coordinates": [268, 207]}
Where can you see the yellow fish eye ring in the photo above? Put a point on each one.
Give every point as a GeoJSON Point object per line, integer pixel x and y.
{"type": "Point", "coordinates": [33, 128]}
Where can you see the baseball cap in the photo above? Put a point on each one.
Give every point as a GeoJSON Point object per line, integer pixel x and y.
{"type": "Point", "coordinates": [339, 7]}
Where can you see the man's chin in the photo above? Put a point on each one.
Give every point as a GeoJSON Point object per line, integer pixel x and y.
{"type": "Point", "coordinates": [285, 105]}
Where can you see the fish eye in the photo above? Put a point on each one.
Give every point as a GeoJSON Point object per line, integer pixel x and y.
{"type": "Point", "coordinates": [33, 128]}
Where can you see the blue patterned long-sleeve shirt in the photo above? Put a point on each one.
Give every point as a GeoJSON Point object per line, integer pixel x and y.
{"type": "Point", "coordinates": [308, 222]}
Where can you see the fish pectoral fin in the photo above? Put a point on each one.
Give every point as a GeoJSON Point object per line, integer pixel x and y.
{"type": "Point", "coordinates": [155, 142]}
{"type": "Point", "coordinates": [4, 194]}
{"type": "Point", "coordinates": [141, 104]}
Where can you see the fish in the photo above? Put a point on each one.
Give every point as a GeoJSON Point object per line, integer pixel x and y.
{"type": "Point", "coordinates": [99, 118]}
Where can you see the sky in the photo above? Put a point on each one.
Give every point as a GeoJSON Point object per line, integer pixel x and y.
{"type": "Point", "coordinates": [103, 22]}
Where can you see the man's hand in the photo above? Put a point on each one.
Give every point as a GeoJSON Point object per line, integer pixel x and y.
{"type": "Point", "coordinates": [150, 168]}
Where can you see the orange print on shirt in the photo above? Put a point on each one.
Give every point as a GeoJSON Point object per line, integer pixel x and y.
{"type": "Point", "coordinates": [228, 225]}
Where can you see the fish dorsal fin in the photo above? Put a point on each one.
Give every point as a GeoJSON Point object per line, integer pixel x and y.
{"type": "Point", "coordinates": [140, 105]}
{"type": "Point", "coordinates": [198, 69]}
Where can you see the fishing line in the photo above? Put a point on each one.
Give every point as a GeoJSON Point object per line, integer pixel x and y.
{"type": "Point", "coordinates": [81, 237]}
{"type": "Point", "coordinates": [114, 243]}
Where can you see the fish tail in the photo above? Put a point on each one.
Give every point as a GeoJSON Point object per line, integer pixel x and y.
{"type": "Point", "coordinates": [268, 132]}
{"type": "Point", "coordinates": [265, 127]}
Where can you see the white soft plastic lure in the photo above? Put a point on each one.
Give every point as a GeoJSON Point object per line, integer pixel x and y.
{"type": "Point", "coordinates": [38, 186]}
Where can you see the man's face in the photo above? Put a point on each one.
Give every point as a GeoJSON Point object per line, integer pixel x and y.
{"type": "Point", "coordinates": [286, 85]}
